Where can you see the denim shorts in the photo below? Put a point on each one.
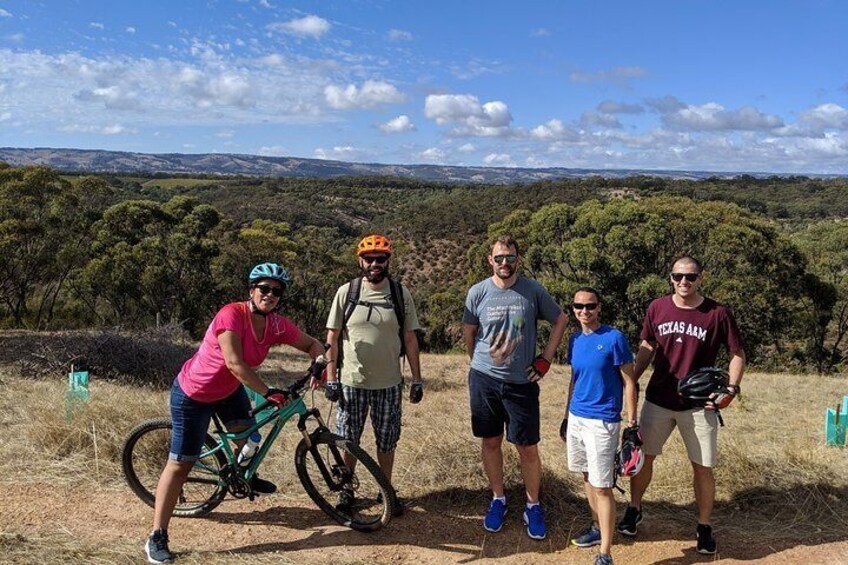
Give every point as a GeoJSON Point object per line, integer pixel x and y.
{"type": "Point", "coordinates": [497, 404]}
{"type": "Point", "coordinates": [191, 420]}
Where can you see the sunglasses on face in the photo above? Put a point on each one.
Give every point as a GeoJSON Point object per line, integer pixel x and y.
{"type": "Point", "coordinates": [691, 277]}
{"type": "Point", "coordinates": [588, 306]}
{"type": "Point", "coordinates": [265, 289]}
{"type": "Point", "coordinates": [510, 259]}
{"type": "Point", "coordinates": [379, 259]}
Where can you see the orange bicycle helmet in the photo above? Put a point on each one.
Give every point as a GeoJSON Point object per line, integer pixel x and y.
{"type": "Point", "coordinates": [374, 244]}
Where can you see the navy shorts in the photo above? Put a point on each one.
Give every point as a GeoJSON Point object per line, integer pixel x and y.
{"type": "Point", "coordinates": [497, 404]}
{"type": "Point", "coordinates": [191, 420]}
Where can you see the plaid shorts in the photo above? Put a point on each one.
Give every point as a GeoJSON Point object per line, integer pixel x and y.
{"type": "Point", "coordinates": [385, 407]}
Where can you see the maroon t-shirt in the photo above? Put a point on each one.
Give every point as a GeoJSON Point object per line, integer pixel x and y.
{"type": "Point", "coordinates": [686, 339]}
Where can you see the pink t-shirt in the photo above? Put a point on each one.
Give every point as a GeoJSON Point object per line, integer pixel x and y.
{"type": "Point", "coordinates": [205, 377]}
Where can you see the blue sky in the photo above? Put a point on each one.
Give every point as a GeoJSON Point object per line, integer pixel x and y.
{"type": "Point", "coordinates": [742, 85]}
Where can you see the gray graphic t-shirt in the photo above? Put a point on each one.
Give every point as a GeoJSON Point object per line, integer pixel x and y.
{"type": "Point", "coordinates": [505, 344]}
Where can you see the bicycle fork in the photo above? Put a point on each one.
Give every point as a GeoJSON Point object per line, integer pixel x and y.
{"type": "Point", "coordinates": [340, 475]}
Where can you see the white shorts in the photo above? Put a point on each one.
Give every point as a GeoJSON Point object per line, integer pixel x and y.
{"type": "Point", "coordinates": [591, 449]}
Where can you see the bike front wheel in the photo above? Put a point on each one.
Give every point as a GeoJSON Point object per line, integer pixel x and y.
{"type": "Point", "coordinates": [144, 456]}
{"type": "Point", "coordinates": [344, 481]}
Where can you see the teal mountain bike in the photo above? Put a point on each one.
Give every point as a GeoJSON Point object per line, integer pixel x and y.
{"type": "Point", "coordinates": [327, 465]}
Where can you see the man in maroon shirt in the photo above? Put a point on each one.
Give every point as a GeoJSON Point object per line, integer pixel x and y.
{"type": "Point", "coordinates": [682, 332]}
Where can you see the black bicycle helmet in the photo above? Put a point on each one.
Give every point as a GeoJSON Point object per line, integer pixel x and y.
{"type": "Point", "coordinates": [700, 384]}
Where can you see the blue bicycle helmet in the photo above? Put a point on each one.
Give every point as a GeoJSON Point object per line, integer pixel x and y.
{"type": "Point", "coordinates": [270, 271]}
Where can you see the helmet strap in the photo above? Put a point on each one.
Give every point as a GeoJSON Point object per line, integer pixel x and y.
{"type": "Point", "coordinates": [256, 310]}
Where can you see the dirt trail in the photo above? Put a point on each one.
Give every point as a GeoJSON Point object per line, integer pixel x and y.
{"type": "Point", "coordinates": [291, 528]}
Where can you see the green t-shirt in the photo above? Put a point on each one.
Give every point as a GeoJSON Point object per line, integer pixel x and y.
{"type": "Point", "coordinates": [370, 342]}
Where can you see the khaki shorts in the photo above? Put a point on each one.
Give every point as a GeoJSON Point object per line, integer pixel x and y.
{"type": "Point", "coordinates": [591, 449]}
{"type": "Point", "coordinates": [698, 428]}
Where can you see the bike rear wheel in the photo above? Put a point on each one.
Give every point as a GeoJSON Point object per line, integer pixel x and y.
{"type": "Point", "coordinates": [143, 458]}
{"type": "Point", "coordinates": [324, 474]}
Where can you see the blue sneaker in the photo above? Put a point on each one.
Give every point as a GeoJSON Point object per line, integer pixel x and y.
{"type": "Point", "coordinates": [588, 537]}
{"type": "Point", "coordinates": [494, 519]}
{"type": "Point", "coordinates": [535, 520]}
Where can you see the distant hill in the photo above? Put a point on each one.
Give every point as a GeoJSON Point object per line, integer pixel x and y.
{"type": "Point", "coordinates": [92, 160]}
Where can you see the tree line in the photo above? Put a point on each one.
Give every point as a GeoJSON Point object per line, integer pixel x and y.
{"type": "Point", "coordinates": [99, 251]}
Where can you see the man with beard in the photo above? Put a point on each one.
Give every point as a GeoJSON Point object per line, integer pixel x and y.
{"type": "Point", "coordinates": [376, 320]}
{"type": "Point", "coordinates": [499, 328]}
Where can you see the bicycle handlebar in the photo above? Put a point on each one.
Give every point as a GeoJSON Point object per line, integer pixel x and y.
{"type": "Point", "coordinates": [291, 391]}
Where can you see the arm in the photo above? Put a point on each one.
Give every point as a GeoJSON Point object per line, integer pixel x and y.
{"type": "Point", "coordinates": [556, 337]}
{"type": "Point", "coordinates": [410, 341]}
{"type": "Point", "coordinates": [233, 357]}
{"type": "Point", "coordinates": [308, 344]}
{"type": "Point", "coordinates": [332, 354]}
{"type": "Point", "coordinates": [469, 335]}
{"type": "Point", "coordinates": [737, 368]}
{"type": "Point", "coordinates": [643, 358]}
{"type": "Point", "coordinates": [631, 392]}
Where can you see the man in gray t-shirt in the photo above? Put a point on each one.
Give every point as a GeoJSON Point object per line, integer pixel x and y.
{"type": "Point", "coordinates": [499, 327]}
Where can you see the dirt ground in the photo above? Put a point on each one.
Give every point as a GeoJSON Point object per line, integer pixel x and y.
{"type": "Point", "coordinates": [289, 529]}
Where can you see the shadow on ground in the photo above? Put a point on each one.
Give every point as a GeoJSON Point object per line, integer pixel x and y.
{"type": "Point", "coordinates": [752, 526]}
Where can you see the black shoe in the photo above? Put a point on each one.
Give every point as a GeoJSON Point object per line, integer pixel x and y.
{"type": "Point", "coordinates": [400, 504]}
{"type": "Point", "coordinates": [346, 500]}
{"type": "Point", "coordinates": [706, 542]}
{"type": "Point", "coordinates": [261, 486]}
{"type": "Point", "coordinates": [632, 518]}
{"type": "Point", "coordinates": [157, 548]}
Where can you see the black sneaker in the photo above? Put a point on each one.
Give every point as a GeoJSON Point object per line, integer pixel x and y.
{"type": "Point", "coordinates": [157, 548]}
{"type": "Point", "coordinates": [400, 504]}
{"type": "Point", "coordinates": [706, 542]}
{"type": "Point", "coordinates": [346, 500]}
{"type": "Point", "coordinates": [261, 486]}
{"type": "Point", "coordinates": [632, 518]}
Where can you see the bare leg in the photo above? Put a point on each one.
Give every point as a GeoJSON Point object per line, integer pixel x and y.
{"type": "Point", "coordinates": [168, 490]}
{"type": "Point", "coordinates": [493, 463]}
{"type": "Point", "coordinates": [639, 483]}
{"type": "Point", "coordinates": [605, 516]}
{"type": "Point", "coordinates": [531, 470]}
{"type": "Point", "coordinates": [387, 462]}
{"type": "Point", "coordinates": [704, 483]}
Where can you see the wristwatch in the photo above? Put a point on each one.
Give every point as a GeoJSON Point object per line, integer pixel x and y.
{"type": "Point", "coordinates": [733, 389]}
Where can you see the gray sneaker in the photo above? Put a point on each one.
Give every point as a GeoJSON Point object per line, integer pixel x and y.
{"type": "Point", "coordinates": [156, 548]}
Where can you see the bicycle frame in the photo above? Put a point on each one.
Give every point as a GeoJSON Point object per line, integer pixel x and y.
{"type": "Point", "coordinates": [279, 417]}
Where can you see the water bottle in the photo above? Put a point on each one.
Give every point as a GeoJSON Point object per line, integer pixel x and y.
{"type": "Point", "coordinates": [249, 449]}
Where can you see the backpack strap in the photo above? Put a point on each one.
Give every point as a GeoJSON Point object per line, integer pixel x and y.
{"type": "Point", "coordinates": [400, 311]}
{"type": "Point", "coordinates": [351, 302]}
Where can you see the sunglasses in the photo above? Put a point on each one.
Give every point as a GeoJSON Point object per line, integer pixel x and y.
{"type": "Point", "coordinates": [588, 306]}
{"type": "Point", "coordinates": [379, 259]}
{"type": "Point", "coordinates": [510, 259]}
{"type": "Point", "coordinates": [265, 289]}
{"type": "Point", "coordinates": [691, 277]}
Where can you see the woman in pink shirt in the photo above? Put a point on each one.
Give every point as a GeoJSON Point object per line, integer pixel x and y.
{"type": "Point", "coordinates": [236, 342]}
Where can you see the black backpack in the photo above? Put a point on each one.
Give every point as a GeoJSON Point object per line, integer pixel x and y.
{"type": "Point", "coordinates": [352, 301]}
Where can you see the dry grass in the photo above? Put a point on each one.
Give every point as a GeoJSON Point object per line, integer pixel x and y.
{"type": "Point", "coordinates": [775, 476]}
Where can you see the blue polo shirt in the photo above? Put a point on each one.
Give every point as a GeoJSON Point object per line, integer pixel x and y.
{"type": "Point", "coordinates": [595, 359]}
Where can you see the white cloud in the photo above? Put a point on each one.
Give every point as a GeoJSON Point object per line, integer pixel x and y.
{"type": "Point", "coordinates": [130, 30]}
{"type": "Point", "coordinates": [115, 129]}
{"type": "Point", "coordinates": [399, 35]}
{"type": "Point", "coordinates": [96, 25]}
{"type": "Point", "coordinates": [612, 107]}
{"type": "Point", "coordinates": [590, 119]}
{"type": "Point", "coordinates": [554, 130]}
{"type": "Point", "coordinates": [273, 151]}
{"type": "Point", "coordinates": [713, 117]}
{"type": "Point", "coordinates": [307, 26]}
{"type": "Point", "coordinates": [5, 116]}
{"type": "Point", "coordinates": [265, 4]}
{"type": "Point", "coordinates": [476, 68]}
{"type": "Point", "coordinates": [4, 14]}
{"type": "Point", "coordinates": [225, 134]}
{"type": "Point", "coordinates": [816, 121]}
{"type": "Point", "coordinates": [433, 155]}
{"type": "Point", "coordinates": [373, 93]}
{"type": "Point", "coordinates": [616, 74]}
{"type": "Point", "coordinates": [16, 37]}
{"type": "Point", "coordinates": [398, 125]}
{"type": "Point", "coordinates": [540, 32]}
{"type": "Point", "coordinates": [112, 97]}
{"type": "Point", "coordinates": [340, 153]}
{"type": "Point", "coordinates": [498, 160]}
{"type": "Point", "coordinates": [491, 119]}
{"type": "Point", "coordinates": [467, 148]}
